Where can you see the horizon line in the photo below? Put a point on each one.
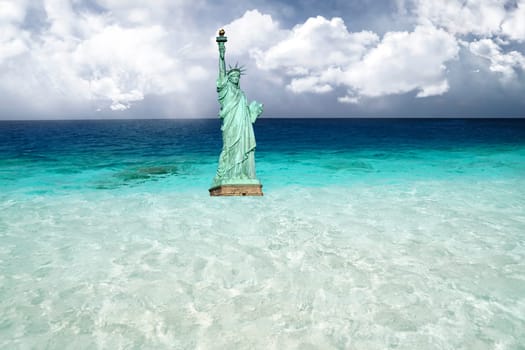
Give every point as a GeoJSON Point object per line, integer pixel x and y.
{"type": "Point", "coordinates": [269, 117]}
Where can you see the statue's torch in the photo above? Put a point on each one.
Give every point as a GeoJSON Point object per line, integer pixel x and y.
{"type": "Point", "coordinates": [221, 38]}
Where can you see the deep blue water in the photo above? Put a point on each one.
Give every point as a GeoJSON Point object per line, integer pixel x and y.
{"type": "Point", "coordinates": [41, 139]}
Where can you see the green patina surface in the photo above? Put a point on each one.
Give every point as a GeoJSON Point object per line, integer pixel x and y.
{"type": "Point", "coordinates": [237, 158]}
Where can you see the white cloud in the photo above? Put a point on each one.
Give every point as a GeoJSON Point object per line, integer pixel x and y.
{"type": "Point", "coordinates": [252, 30]}
{"type": "Point", "coordinates": [85, 56]}
{"type": "Point", "coordinates": [308, 53]}
{"type": "Point", "coordinates": [350, 98]}
{"type": "Point", "coordinates": [13, 40]}
{"type": "Point", "coordinates": [12, 11]}
{"type": "Point", "coordinates": [493, 23]}
{"type": "Point", "coordinates": [61, 17]}
{"type": "Point", "coordinates": [404, 62]}
{"type": "Point", "coordinates": [134, 59]}
{"type": "Point", "coordinates": [106, 87]}
{"type": "Point", "coordinates": [321, 54]}
{"type": "Point", "coordinates": [483, 18]}
{"type": "Point", "coordinates": [479, 17]}
{"type": "Point", "coordinates": [514, 25]}
{"type": "Point", "coordinates": [316, 44]}
{"type": "Point", "coordinates": [309, 84]}
{"type": "Point", "coordinates": [504, 63]}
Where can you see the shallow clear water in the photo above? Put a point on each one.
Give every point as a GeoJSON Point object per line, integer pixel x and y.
{"type": "Point", "coordinates": [372, 234]}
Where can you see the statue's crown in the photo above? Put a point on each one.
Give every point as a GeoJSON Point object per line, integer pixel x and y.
{"type": "Point", "coordinates": [236, 68]}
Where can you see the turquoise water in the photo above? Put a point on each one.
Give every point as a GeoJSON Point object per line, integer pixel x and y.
{"type": "Point", "coordinates": [372, 234]}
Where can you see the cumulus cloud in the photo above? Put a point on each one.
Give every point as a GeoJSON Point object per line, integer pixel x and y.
{"type": "Point", "coordinates": [252, 30]}
{"type": "Point", "coordinates": [503, 63]}
{"type": "Point", "coordinates": [13, 40]}
{"type": "Point", "coordinates": [479, 17]}
{"type": "Point", "coordinates": [115, 69]}
{"type": "Point", "coordinates": [475, 17]}
{"type": "Point", "coordinates": [349, 98]}
{"type": "Point", "coordinates": [403, 62]}
{"type": "Point", "coordinates": [321, 54]}
{"type": "Point", "coordinates": [316, 44]}
{"type": "Point", "coordinates": [91, 56]}
{"type": "Point", "coordinates": [309, 84]}
{"type": "Point", "coordinates": [514, 24]}
{"type": "Point", "coordinates": [493, 23]}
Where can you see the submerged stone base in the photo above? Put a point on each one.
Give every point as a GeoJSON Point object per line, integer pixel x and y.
{"type": "Point", "coordinates": [236, 190]}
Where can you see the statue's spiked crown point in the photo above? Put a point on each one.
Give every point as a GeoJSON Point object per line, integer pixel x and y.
{"type": "Point", "coordinates": [236, 68]}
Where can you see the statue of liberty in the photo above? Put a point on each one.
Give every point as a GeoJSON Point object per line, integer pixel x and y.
{"type": "Point", "coordinates": [236, 170]}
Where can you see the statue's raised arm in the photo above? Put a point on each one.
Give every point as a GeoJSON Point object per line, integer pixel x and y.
{"type": "Point", "coordinates": [221, 39]}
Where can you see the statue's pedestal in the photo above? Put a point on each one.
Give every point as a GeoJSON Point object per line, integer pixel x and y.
{"type": "Point", "coordinates": [237, 190]}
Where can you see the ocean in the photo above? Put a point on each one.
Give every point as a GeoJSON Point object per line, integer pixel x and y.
{"type": "Point", "coordinates": [371, 234]}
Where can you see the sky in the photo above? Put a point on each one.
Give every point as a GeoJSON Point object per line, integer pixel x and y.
{"type": "Point", "coordinates": [104, 59]}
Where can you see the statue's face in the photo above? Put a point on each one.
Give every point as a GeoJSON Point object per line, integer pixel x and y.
{"type": "Point", "coordinates": [234, 77]}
